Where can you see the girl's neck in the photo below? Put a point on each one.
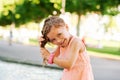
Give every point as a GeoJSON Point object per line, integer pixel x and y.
{"type": "Point", "coordinates": [70, 37]}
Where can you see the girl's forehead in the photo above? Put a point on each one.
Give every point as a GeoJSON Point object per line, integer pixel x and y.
{"type": "Point", "coordinates": [54, 31]}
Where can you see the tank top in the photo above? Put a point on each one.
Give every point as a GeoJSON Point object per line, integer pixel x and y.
{"type": "Point", "coordinates": [81, 68]}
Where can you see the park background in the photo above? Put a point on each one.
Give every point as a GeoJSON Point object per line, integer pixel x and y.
{"type": "Point", "coordinates": [96, 22]}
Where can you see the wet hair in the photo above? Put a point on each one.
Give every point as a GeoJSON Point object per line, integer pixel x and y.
{"type": "Point", "coordinates": [50, 22]}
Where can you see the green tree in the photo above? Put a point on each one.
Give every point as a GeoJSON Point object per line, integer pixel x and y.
{"type": "Point", "coordinates": [6, 12]}
{"type": "Point", "coordinates": [23, 11]}
{"type": "Point", "coordinates": [34, 11]}
{"type": "Point", "coordinates": [81, 7]}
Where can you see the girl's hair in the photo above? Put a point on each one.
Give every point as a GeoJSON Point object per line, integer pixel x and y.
{"type": "Point", "coordinates": [50, 22]}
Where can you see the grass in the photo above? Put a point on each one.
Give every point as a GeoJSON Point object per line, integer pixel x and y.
{"type": "Point", "coordinates": [105, 50]}
{"type": "Point", "coordinates": [109, 47]}
{"type": "Point", "coordinates": [33, 41]}
{"type": "Point", "coordinates": [0, 37]}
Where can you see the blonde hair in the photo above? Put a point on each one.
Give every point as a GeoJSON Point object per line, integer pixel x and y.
{"type": "Point", "coordinates": [50, 22]}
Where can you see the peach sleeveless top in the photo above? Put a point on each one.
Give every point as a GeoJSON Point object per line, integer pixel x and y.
{"type": "Point", "coordinates": [81, 69]}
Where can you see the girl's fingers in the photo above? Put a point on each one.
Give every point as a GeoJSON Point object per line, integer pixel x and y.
{"type": "Point", "coordinates": [40, 39]}
{"type": "Point", "coordinates": [44, 56]}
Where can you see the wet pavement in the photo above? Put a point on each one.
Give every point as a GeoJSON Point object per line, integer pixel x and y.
{"type": "Point", "coordinates": [15, 71]}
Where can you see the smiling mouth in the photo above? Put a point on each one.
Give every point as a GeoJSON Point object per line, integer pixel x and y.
{"type": "Point", "coordinates": [62, 44]}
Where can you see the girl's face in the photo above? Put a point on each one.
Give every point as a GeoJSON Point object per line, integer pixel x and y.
{"type": "Point", "coordinates": [59, 36]}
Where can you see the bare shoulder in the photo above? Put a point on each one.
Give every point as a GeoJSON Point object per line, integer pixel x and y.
{"type": "Point", "coordinates": [77, 43]}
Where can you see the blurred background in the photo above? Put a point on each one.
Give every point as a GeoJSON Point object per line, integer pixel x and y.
{"type": "Point", "coordinates": [93, 21]}
{"type": "Point", "coordinates": [96, 22]}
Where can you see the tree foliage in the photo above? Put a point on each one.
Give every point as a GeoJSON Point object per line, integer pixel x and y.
{"type": "Point", "coordinates": [81, 7]}
{"type": "Point", "coordinates": [108, 7]}
{"type": "Point", "coordinates": [23, 11]}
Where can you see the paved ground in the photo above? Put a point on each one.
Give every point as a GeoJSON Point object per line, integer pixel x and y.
{"type": "Point", "coordinates": [104, 69]}
{"type": "Point", "coordinates": [14, 71]}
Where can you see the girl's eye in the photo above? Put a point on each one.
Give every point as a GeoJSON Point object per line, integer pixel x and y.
{"type": "Point", "coordinates": [59, 34]}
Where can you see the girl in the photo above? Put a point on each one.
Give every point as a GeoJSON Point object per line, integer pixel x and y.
{"type": "Point", "coordinates": [71, 52]}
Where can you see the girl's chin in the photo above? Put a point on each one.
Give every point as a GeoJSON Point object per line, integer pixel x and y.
{"type": "Point", "coordinates": [61, 45]}
{"type": "Point", "coordinates": [64, 45]}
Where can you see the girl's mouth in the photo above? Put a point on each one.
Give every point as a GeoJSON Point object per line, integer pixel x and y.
{"type": "Point", "coordinates": [63, 43]}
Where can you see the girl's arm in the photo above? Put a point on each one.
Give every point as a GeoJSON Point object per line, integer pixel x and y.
{"type": "Point", "coordinates": [46, 54]}
{"type": "Point", "coordinates": [57, 52]}
{"type": "Point", "coordinates": [75, 48]}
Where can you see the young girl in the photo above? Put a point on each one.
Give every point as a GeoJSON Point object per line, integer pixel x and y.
{"type": "Point", "coordinates": [71, 52]}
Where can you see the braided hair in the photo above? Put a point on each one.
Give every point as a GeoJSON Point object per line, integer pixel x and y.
{"type": "Point", "coordinates": [50, 22]}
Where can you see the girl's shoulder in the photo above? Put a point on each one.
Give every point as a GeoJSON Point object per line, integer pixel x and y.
{"type": "Point", "coordinates": [75, 41]}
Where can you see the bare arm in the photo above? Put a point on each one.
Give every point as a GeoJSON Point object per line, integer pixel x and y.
{"type": "Point", "coordinates": [57, 52]}
{"type": "Point", "coordinates": [75, 49]}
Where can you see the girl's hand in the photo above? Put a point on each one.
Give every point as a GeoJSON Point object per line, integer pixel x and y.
{"type": "Point", "coordinates": [45, 53]}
